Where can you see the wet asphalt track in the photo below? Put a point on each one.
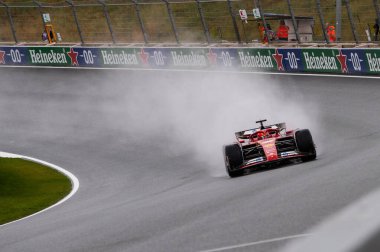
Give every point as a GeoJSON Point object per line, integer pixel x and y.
{"type": "Point", "coordinates": [144, 191]}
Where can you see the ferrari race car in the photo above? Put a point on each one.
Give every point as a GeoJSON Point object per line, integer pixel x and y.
{"type": "Point", "coordinates": [267, 145]}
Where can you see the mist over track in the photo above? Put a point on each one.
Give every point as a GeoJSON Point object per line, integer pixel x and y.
{"type": "Point", "coordinates": [146, 147]}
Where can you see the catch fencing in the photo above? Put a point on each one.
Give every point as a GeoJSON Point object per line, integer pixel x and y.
{"type": "Point", "coordinates": [88, 22]}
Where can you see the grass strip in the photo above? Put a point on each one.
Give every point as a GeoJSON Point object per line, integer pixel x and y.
{"type": "Point", "coordinates": [27, 187]}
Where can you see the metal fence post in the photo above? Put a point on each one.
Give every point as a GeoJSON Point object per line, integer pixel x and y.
{"type": "Point", "coordinates": [295, 26]}
{"type": "Point", "coordinates": [171, 20]}
{"type": "Point", "coordinates": [258, 5]}
{"type": "Point", "coordinates": [205, 28]}
{"type": "Point", "coordinates": [377, 9]}
{"type": "Point", "coordinates": [41, 13]}
{"type": "Point", "coordinates": [70, 2]}
{"type": "Point", "coordinates": [353, 29]}
{"type": "Point", "coordinates": [10, 21]}
{"type": "Point", "coordinates": [321, 18]}
{"type": "Point", "coordinates": [142, 27]}
{"type": "Point", "coordinates": [338, 20]}
{"type": "Point", "coordinates": [106, 14]}
{"type": "Point", "coordinates": [236, 29]}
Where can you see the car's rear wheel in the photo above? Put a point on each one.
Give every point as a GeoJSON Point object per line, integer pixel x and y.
{"type": "Point", "coordinates": [233, 159]}
{"type": "Point", "coordinates": [305, 144]}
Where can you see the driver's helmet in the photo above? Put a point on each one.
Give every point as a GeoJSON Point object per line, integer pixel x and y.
{"type": "Point", "coordinates": [260, 135]}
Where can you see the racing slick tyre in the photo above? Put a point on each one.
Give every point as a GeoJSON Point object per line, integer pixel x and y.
{"type": "Point", "coordinates": [305, 144]}
{"type": "Point", "coordinates": [233, 159]}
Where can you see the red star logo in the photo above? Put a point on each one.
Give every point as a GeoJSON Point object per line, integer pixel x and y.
{"type": "Point", "coordinates": [211, 57]}
{"type": "Point", "coordinates": [144, 57]}
{"type": "Point", "coordinates": [74, 57]}
{"type": "Point", "coordinates": [278, 57]}
{"type": "Point", "coordinates": [343, 61]}
{"type": "Point", "coordinates": [2, 57]}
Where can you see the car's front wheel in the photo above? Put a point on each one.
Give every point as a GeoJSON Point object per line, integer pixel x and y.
{"type": "Point", "coordinates": [305, 144]}
{"type": "Point", "coordinates": [233, 158]}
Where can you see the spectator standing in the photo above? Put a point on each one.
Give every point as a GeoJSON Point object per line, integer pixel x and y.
{"type": "Point", "coordinates": [283, 31]}
{"type": "Point", "coordinates": [44, 36]}
{"type": "Point", "coordinates": [271, 33]}
{"type": "Point", "coordinates": [331, 33]}
{"type": "Point", "coordinates": [262, 32]}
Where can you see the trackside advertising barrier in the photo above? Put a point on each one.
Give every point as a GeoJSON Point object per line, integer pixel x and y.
{"type": "Point", "coordinates": [307, 60]}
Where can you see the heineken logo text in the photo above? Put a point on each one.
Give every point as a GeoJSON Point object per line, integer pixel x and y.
{"type": "Point", "coordinates": [256, 61]}
{"type": "Point", "coordinates": [192, 59]}
{"type": "Point", "coordinates": [47, 57]}
{"type": "Point", "coordinates": [122, 58]}
{"type": "Point", "coordinates": [320, 62]}
{"type": "Point", "coordinates": [373, 62]}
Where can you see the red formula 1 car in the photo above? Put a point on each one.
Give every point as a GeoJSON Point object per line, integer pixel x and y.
{"type": "Point", "coordinates": [267, 145]}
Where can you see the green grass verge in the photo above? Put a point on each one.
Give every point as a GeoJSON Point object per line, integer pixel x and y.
{"type": "Point", "coordinates": [27, 187]}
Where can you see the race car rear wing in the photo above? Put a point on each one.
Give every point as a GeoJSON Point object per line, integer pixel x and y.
{"type": "Point", "coordinates": [247, 133]}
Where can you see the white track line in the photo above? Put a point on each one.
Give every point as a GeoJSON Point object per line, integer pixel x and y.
{"type": "Point", "coordinates": [256, 243]}
{"type": "Point", "coordinates": [74, 182]}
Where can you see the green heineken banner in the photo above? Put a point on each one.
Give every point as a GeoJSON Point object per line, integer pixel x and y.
{"type": "Point", "coordinates": [49, 56]}
{"type": "Point", "coordinates": [321, 61]}
{"type": "Point", "coordinates": [372, 58]}
{"type": "Point", "coordinates": [120, 57]}
{"type": "Point", "coordinates": [257, 59]}
{"type": "Point", "coordinates": [302, 60]}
